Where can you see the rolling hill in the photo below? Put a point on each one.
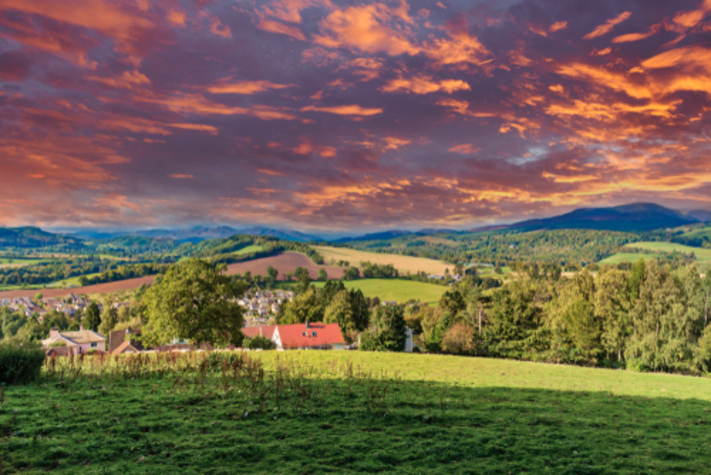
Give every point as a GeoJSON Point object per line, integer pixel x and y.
{"type": "Point", "coordinates": [627, 218]}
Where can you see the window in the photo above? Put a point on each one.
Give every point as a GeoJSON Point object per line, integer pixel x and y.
{"type": "Point", "coordinates": [93, 345]}
{"type": "Point", "coordinates": [313, 333]}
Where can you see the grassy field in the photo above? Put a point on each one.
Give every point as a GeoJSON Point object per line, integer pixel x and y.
{"type": "Point", "coordinates": [699, 232]}
{"type": "Point", "coordinates": [9, 263]}
{"type": "Point", "coordinates": [702, 255]}
{"type": "Point", "coordinates": [402, 263]}
{"type": "Point", "coordinates": [623, 257]}
{"type": "Point", "coordinates": [395, 289]}
{"type": "Point", "coordinates": [248, 249]}
{"type": "Point", "coordinates": [357, 412]}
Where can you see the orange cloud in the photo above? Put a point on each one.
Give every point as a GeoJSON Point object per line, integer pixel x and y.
{"type": "Point", "coordinates": [465, 149]}
{"type": "Point", "coordinates": [219, 29]}
{"type": "Point", "coordinates": [393, 143]}
{"type": "Point", "coordinates": [276, 27]}
{"type": "Point", "coordinates": [176, 17]}
{"type": "Point", "coordinates": [692, 18]}
{"type": "Point", "coordinates": [607, 27]}
{"type": "Point", "coordinates": [462, 107]}
{"type": "Point", "coordinates": [290, 10]}
{"type": "Point", "coordinates": [198, 104]}
{"type": "Point", "coordinates": [127, 80]}
{"type": "Point", "coordinates": [181, 176]}
{"type": "Point", "coordinates": [244, 87]}
{"type": "Point", "coordinates": [631, 37]}
{"type": "Point", "coordinates": [557, 26]}
{"type": "Point", "coordinates": [199, 127]}
{"type": "Point", "coordinates": [424, 85]}
{"type": "Point", "coordinates": [364, 28]}
{"type": "Point", "coordinates": [103, 16]}
{"type": "Point", "coordinates": [352, 109]}
{"type": "Point", "coordinates": [266, 171]}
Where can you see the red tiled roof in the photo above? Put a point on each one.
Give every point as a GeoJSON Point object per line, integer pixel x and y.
{"type": "Point", "coordinates": [317, 334]}
{"type": "Point", "coordinates": [267, 331]}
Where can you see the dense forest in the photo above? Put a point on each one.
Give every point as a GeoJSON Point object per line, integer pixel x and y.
{"type": "Point", "coordinates": [652, 317]}
{"type": "Point", "coordinates": [568, 246]}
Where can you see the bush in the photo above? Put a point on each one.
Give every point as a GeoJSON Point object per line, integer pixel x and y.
{"type": "Point", "coordinates": [20, 362]}
{"type": "Point", "coordinates": [259, 342]}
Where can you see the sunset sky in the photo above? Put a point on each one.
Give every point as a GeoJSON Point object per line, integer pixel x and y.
{"type": "Point", "coordinates": [329, 115]}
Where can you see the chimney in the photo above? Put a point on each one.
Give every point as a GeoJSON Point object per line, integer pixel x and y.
{"type": "Point", "coordinates": [81, 327]}
{"type": "Point", "coordinates": [307, 324]}
{"type": "Point", "coordinates": [53, 333]}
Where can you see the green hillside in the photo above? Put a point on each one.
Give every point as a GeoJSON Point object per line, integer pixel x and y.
{"type": "Point", "coordinates": [702, 255]}
{"type": "Point", "coordinates": [358, 412]}
{"type": "Point", "coordinates": [398, 290]}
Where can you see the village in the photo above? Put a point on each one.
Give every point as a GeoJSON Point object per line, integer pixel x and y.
{"type": "Point", "coordinates": [260, 309]}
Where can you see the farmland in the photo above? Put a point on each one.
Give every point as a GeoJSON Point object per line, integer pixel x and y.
{"type": "Point", "coordinates": [398, 290]}
{"type": "Point", "coordinates": [249, 249]}
{"type": "Point", "coordinates": [358, 412]}
{"type": "Point", "coordinates": [285, 263]}
{"type": "Point", "coordinates": [402, 263]}
{"type": "Point", "coordinates": [623, 257]}
{"type": "Point", "coordinates": [702, 255]}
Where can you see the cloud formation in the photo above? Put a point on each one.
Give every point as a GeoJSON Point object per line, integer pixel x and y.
{"type": "Point", "coordinates": [333, 115]}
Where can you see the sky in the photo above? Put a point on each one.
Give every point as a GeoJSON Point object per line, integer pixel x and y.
{"type": "Point", "coordinates": [344, 116]}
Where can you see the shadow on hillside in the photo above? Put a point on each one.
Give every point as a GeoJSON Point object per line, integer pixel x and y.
{"type": "Point", "coordinates": [349, 426]}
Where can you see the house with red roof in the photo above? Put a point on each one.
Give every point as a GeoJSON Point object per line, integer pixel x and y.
{"type": "Point", "coordinates": [308, 336]}
{"type": "Point", "coordinates": [267, 331]}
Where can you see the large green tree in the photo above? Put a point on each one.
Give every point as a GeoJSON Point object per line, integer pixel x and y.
{"type": "Point", "coordinates": [305, 306]}
{"type": "Point", "coordinates": [387, 330]}
{"type": "Point", "coordinates": [194, 301]}
{"type": "Point", "coordinates": [92, 317]}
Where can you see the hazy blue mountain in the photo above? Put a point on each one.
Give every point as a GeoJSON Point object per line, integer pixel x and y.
{"type": "Point", "coordinates": [701, 214]}
{"type": "Point", "coordinates": [31, 237]}
{"type": "Point", "coordinates": [631, 217]}
{"type": "Point", "coordinates": [288, 234]}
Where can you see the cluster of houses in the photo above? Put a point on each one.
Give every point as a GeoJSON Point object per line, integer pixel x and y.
{"type": "Point", "coordinates": [29, 306]}
{"type": "Point", "coordinates": [262, 304]}
{"type": "Point", "coordinates": [308, 336]}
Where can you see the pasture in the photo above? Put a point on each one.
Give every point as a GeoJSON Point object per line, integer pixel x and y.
{"type": "Point", "coordinates": [623, 257]}
{"type": "Point", "coordinates": [357, 412]}
{"type": "Point", "coordinates": [249, 249]}
{"type": "Point", "coordinates": [285, 263]}
{"type": "Point", "coordinates": [702, 255]}
{"type": "Point", "coordinates": [398, 290]}
{"type": "Point", "coordinates": [6, 263]}
{"type": "Point", "coordinates": [403, 264]}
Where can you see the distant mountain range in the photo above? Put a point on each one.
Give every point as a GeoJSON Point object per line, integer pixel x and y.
{"type": "Point", "coordinates": [199, 233]}
{"type": "Point", "coordinates": [629, 218]}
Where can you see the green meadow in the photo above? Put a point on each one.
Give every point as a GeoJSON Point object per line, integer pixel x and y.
{"type": "Point", "coordinates": [357, 412]}
{"type": "Point", "coordinates": [249, 249]}
{"type": "Point", "coordinates": [399, 290]}
{"type": "Point", "coordinates": [623, 257]}
{"type": "Point", "coordinates": [702, 255]}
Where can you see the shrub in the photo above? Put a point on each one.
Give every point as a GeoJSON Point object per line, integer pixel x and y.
{"type": "Point", "coordinates": [259, 342]}
{"type": "Point", "coordinates": [20, 362]}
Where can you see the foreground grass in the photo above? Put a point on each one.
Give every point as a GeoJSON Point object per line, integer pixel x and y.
{"type": "Point", "coordinates": [398, 290]}
{"type": "Point", "coordinates": [402, 263]}
{"type": "Point", "coordinates": [390, 413]}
